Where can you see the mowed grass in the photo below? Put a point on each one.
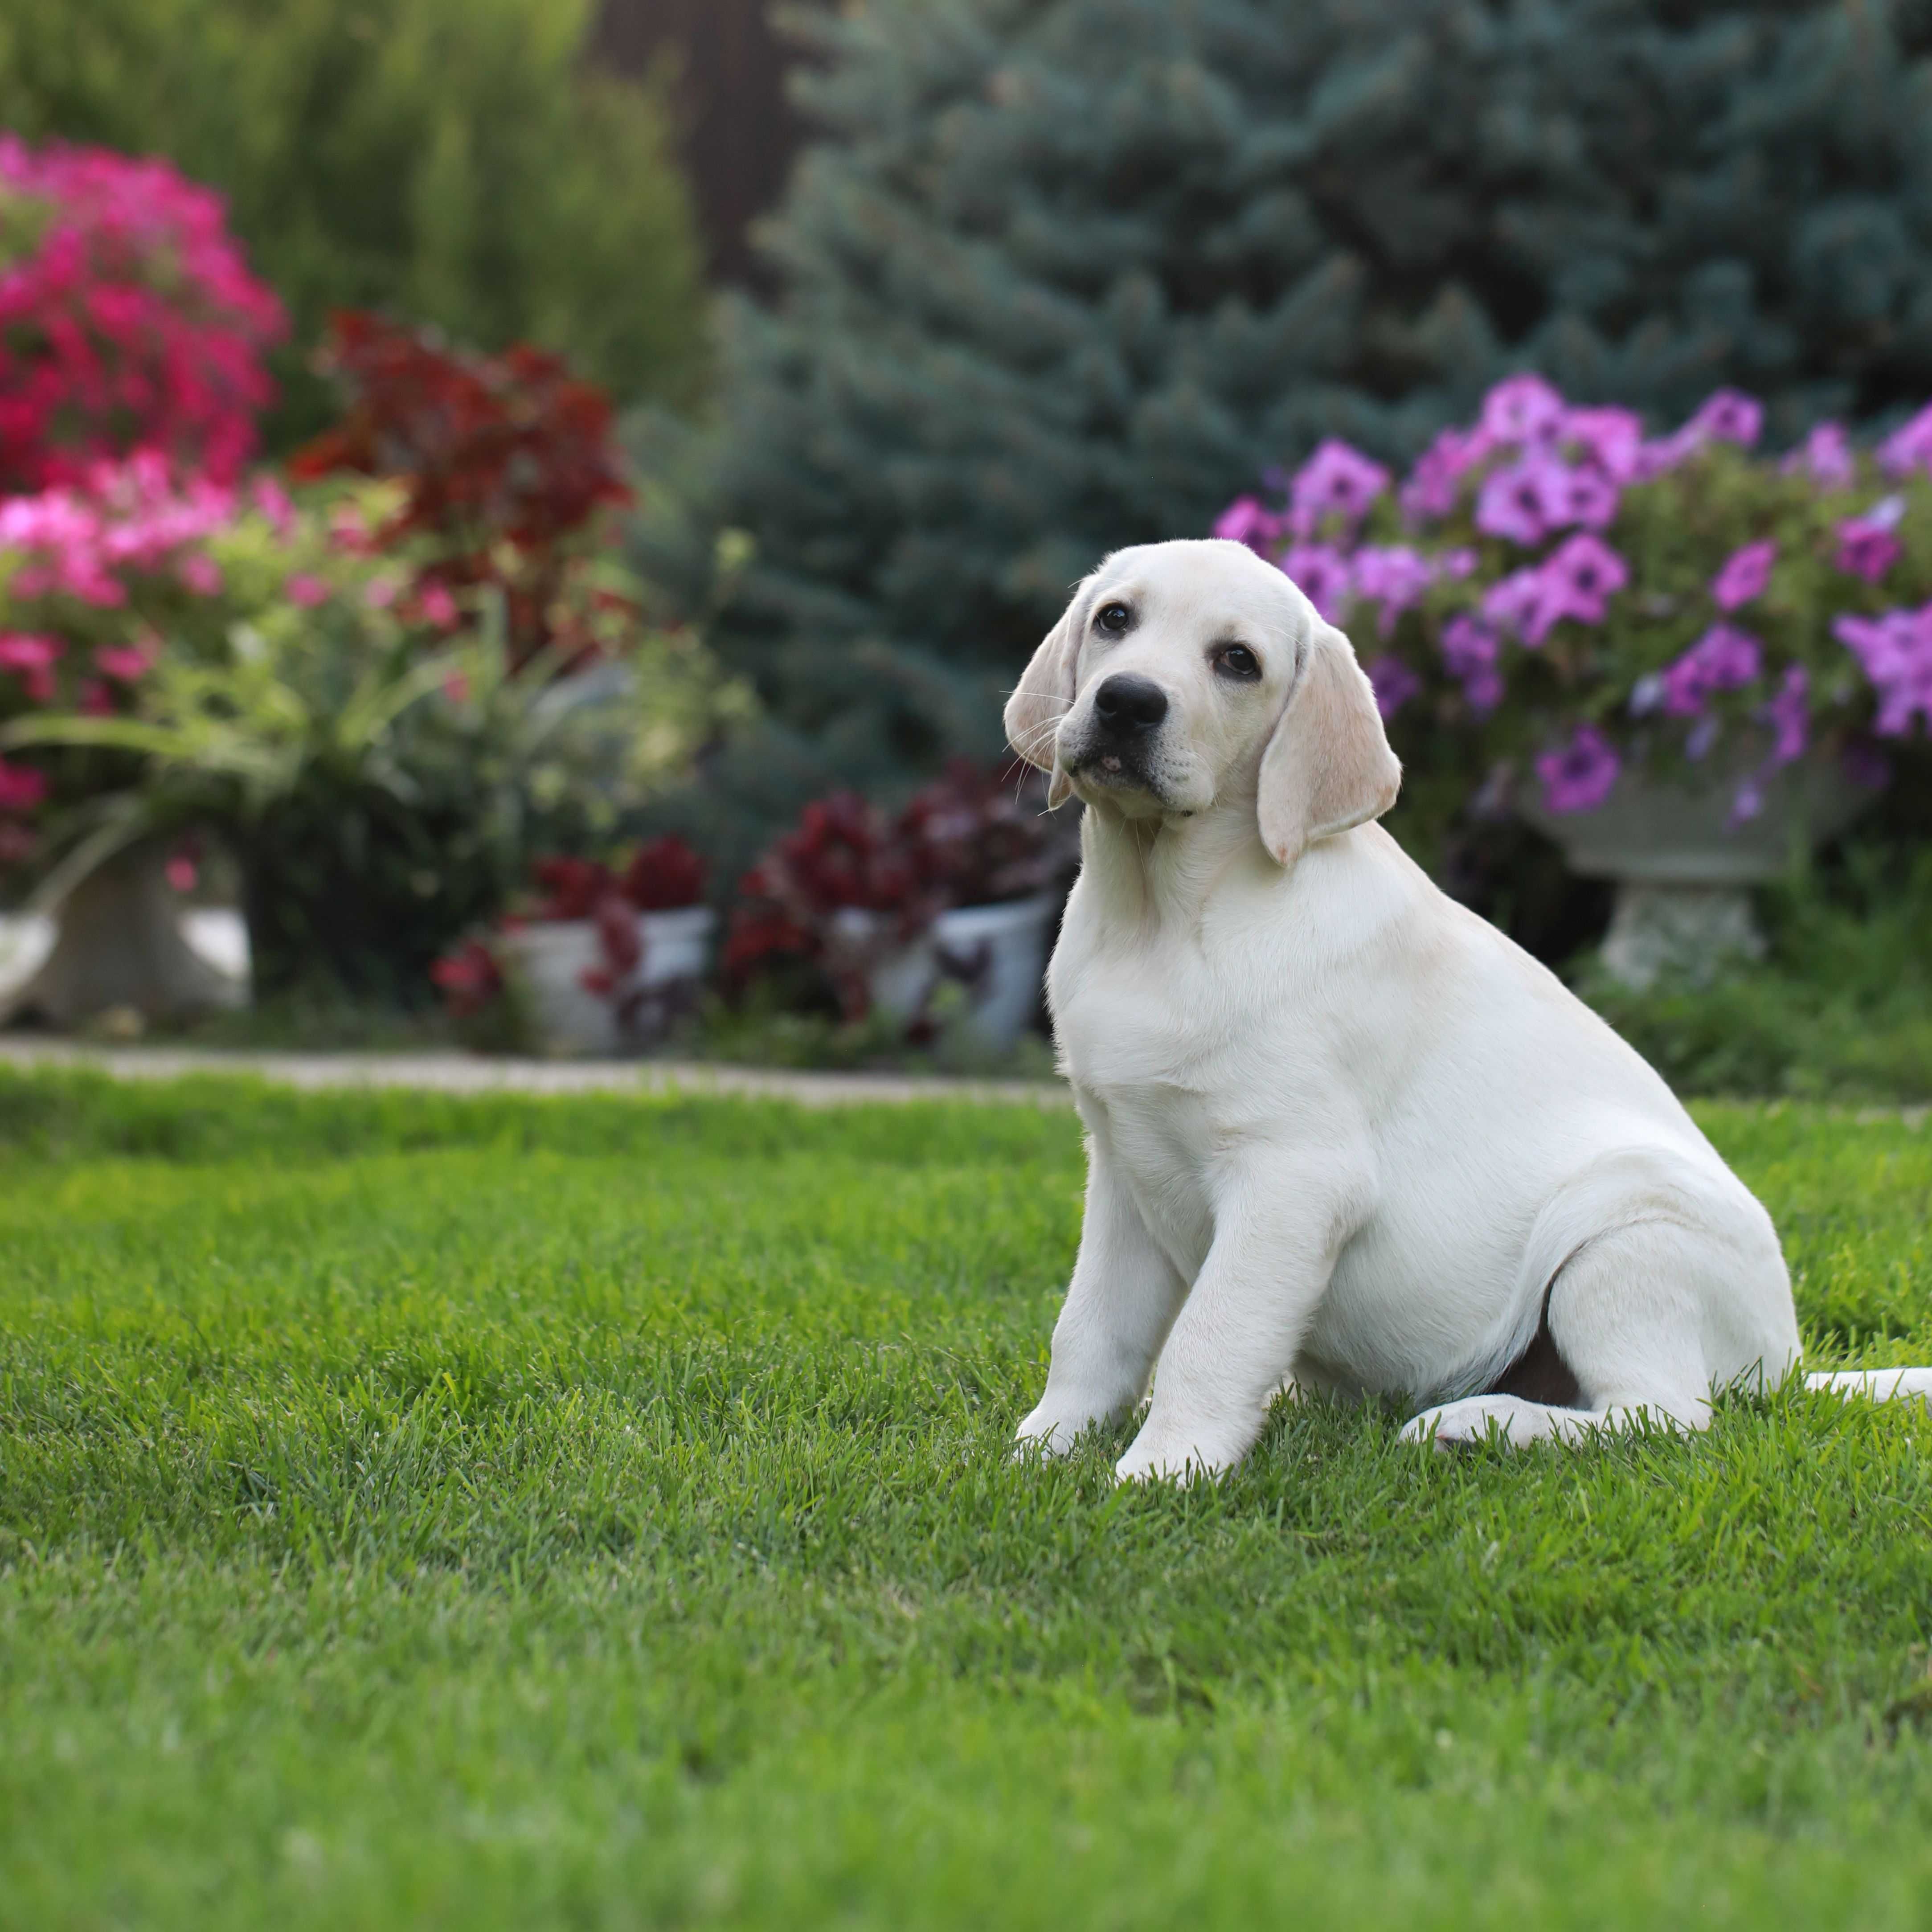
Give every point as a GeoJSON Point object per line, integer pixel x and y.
{"type": "Point", "coordinates": [417, 1512]}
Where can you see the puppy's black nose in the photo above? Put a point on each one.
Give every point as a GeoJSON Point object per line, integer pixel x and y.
{"type": "Point", "coordinates": [1126, 705]}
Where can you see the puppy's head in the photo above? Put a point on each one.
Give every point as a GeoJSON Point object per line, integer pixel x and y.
{"type": "Point", "coordinates": [1186, 676]}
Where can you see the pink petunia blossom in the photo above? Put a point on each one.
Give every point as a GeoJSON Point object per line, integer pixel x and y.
{"type": "Point", "coordinates": [1393, 577]}
{"type": "Point", "coordinates": [32, 657]}
{"type": "Point", "coordinates": [1395, 684]}
{"type": "Point", "coordinates": [22, 788]}
{"type": "Point", "coordinates": [1745, 573]}
{"type": "Point", "coordinates": [1825, 456]}
{"type": "Point", "coordinates": [200, 573]}
{"type": "Point", "coordinates": [1578, 777]}
{"type": "Point", "coordinates": [305, 589]}
{"type": "Point", "coordinates": [380, 592]}
{"type": "Point", "coordinates": [1722, 659]}
{"type": "Point", "coordinates": [440, 609]}
{"type": "Point", "coordinates": [1469, 653]}
{"type": "Point", "coordinates": [95, 700]}
{"type": "Point", "coordinates": [182, 872]}
{"type": "Point", "coordinates": [1521, 408]}
{"type": "Point", "coordinates": [1336, 480]}
{"type": "Point", "coordinates": [1579, 577]}
{"type": "Point", "coordinates": [1579, 495]}
{"type": "Point", "coordinates": [1895, 653]}
{"type": "Point", "coordinates": [1511, 604]}
{"type": "Point", "coordinates": [126, 664]}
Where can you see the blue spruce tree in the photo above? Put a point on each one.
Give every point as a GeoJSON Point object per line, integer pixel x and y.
{"type": "Point", "coordinates": [1065, 275]}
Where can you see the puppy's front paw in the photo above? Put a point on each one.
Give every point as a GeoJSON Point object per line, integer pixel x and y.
{"type": "Point", "coordinates": [1163, 1458]}
{"type": "Point", "coordinates": [1477, 1419]}
{"type": "Point", "coordinates": [1051, 1433]}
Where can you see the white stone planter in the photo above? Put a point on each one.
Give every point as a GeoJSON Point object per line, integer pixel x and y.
{"type": "Point", "coordinates": [1683, 868]}
{"type": "Point", "coordinates": [548, 960]}
{"type": "Point", "coordinates": [998, 952]}
{"type": "Point", "coordinates": [122, 939]}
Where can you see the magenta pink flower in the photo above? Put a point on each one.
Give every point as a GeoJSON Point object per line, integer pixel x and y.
{"type": "Point", "coordinates": [1745, 573]}
{"type": "Point", "coordinates": [1825, 456]}
{"type": "Point", "coordinates": [1320, 571]}
{"type": "Point", "coordinates": [306, 589]}
{"type": "Point", "coordinates": [1395, 684]}
{"type": "Point", "coordinates": [1579, 578]}
{"type": "Point", "coordinates": [1336, 481]}
{"type": "Point", "coordinates": [439, 608]}
{"type": "Point", "coordinates": [126, 664]}
{"type": "Point", "coordinates": [1469, 652]}
{"type": "Point", "coordinates": [32, 657]}
{"type": "Point", "coordinates": [1908, 450]}
{"type": "Point", "coordinates": [1393, 577]}
{"type": "Point", "coordinates": [22, 788]}
{"type": "Point", "coordinates": [1580, 776]}
{"type": "Point", "coordinates": [182, 872]}
{"type": "Point", "coordinates": [1722, 659]}
{"type": "Point", "coordinates": [1521, 408]}
{"type": "Point", "coordinates": [95, 699]}
{"type": "Point", "coordinates": [1579, 496]}
{"type": "Point", "coordinates": [200, 573]}
{"type": "Point", "coordinates": [1512, 604]}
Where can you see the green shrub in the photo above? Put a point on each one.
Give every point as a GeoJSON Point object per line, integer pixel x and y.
{"type": "Point", "coordinates": [449, 160]}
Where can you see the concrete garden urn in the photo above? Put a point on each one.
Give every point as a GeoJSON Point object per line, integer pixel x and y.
{"type": "Point", "coordinates": [1683, 858]}
{"type": "Point", "coordinates": [549, 960]}
{"type": "Point", "coordinates": [998, 952]}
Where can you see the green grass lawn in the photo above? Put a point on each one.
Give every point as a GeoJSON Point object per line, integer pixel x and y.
{"type": "Point", "coordinates": [510, 1512]}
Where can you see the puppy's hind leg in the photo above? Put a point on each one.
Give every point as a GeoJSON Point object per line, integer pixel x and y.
{"type": "Point", "coordinates": [1626, 1318]}
{"type": "Point", "coordinates": [1876, 1385]}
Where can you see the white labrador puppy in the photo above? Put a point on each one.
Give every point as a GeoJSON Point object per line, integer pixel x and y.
{"type": "Point", "coordinates": [1342, 1133]}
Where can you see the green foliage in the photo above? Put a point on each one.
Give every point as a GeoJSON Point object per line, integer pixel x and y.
{"type": "Point", "coordinates": [451, 161]}
{"type": "Point", "coordinates": [1842, 1006]}
{"type": "Point", "coordinates": [1075, 272]}
{"type": "Point", "coordinates": [418, 1511]}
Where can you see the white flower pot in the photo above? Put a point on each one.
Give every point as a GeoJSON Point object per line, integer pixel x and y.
{"type": "Point", "coordinates": [998, 953]}
{"type": "Point", "coordinates": [549, 958]}
{"type": "Point", "coordinates": [1684, 863]}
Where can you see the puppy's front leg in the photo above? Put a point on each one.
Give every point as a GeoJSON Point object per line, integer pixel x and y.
{"type": "Point", "coordinates": [1233, 1344]}
{"type": "Point", "coordinates": [1119, 1307]}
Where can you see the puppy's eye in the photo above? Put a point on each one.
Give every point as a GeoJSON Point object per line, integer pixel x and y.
{"type": "Point", "coordinates": [1237, 662]}
{"type": "Point", "coordinates": [1113, 618]}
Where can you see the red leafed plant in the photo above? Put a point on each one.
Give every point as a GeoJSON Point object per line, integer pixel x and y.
{"type": "Point", "coordinates": [506, 461]}
{"type": "Point", "coordinates": [974, 835]}
{"type": "Point", "coordinates": [128, 320]}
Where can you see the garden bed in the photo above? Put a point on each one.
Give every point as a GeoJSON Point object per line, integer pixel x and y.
{"type": "Point", "coordinates": [506, 1511]}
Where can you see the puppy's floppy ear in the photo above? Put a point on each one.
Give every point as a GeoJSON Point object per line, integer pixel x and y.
{"type": "Point", "coordinates": [1043, 696]}
{"type": "Point", "coordinates": [1328, 766]}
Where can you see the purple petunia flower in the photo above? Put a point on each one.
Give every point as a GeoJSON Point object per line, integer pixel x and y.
{"type": "Point", "coordinates": [1510, 503]}
{"type": "Point", "coordinates": [1336, 481]}
{"type": "Point", "coordinates": [1745, 573]}
{"type": "Point", "coordinates": [1581, 496]}
{"type": "Point", "coordinates": [1722, 659]}
{"type": "Point", "coordinates": [1825, 456]}
{"type": "Point", "coordinates": [1393, 576]}
{"type": "Point", "coordinates": [1608, 439]}
{"type": "Point", "coordinates": [1581, 575]}
{"type": "Point", "coordinates": [1469, 652]}
{"type": "Point", "coordinates": [1788, 715]}
{"type": "Point", "coordinates": [1323, 575]}
{"type": "Point", "coordinates": [1866, 547]}
{"type": "Point", "coordinates": [1895, 653]}
{"type": "Point", "coordinates": [1729, 415]}
{"type": "Point", "coordinates": [1434, 484]}
{"type": "Point", "coordinates": [1908, 449]}
{"type": "Point", "coordinates": [1579, 777]}
{"type": "Point", "coordinates": [1521, 408]}
{"type": "Point", "coordinates": [1246, 521]}
{"type": "Point", "coordinates": [1395, 684]}
{"type": "Point", "coordinates": [1512, 604]}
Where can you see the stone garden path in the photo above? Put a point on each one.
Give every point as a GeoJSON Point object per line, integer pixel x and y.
{"type": "Point", "coordinates": [461, 1073]}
